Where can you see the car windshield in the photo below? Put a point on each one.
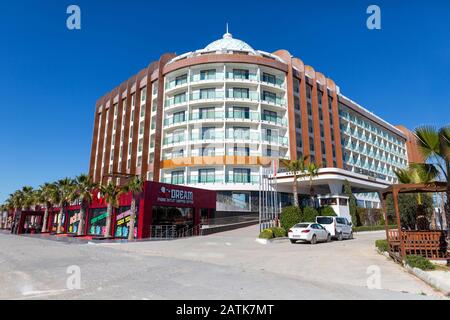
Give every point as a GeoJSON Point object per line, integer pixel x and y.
{"type": "Point", "coordinates": [324, 220]}
{"type": "Point", "coordinates": [301, 225]}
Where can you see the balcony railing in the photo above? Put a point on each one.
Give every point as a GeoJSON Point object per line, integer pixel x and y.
{"type": "Point", "coordinates": [273, 100]}
{"type": "Point", "coordinates": [244, 115]}
{"type": "Point", "coordinates": [244, 179]}
{"type": "Point", "coordinates": [274, 119]}
{"type": "Point", "coordinates": [175, 100]}
{"type": "Point", "coordinates": [252, 136]}
{"type": "Point", "coordinates": [203, 77]}
{"type": "Point", "coordinates": [238, 95]}
{"type": "Point", "coordinates": [218, 135]}
{"type": "Point", "coordinates": [173, 139]}
{"type": "Point", "coordinates": [275, 139]}
{"type": "Point", "coordinates": [243, 77]}
{"type": "Point", "coordinates": [207, 95]}
{"type": "Point", "coordinates": [174, 121]}
{"type": "Point", "coordinates": [206, 115]}
{"type": "Point", "coordinates": [173, 180]}
{"type": "Point", "coordinates": [195, 179]}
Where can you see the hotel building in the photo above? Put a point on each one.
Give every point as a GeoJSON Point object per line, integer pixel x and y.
{"type": "Point", "coordinates": [213, 117]}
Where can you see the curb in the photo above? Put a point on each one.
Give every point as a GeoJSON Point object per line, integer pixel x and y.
{"type": "Point", "coordinates": [430, 279]}
{"type": "Point", "coordinates": [270, 241]}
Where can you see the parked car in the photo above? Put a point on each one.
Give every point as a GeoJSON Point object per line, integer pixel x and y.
{"type": "Point", "coordinates": [339, 227]}
{"type": "Point", "coordinates": [310, 232]}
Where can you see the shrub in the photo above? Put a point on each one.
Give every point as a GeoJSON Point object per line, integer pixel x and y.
{"type": "Point", "coordinates": [290, 216]}
{"type": "Point", "coordinates": [266, 234]}
{"type": "Point", "coordinates": [419, 262]}
{"type": "Point", "coordinates": [309, 214]}
{"type": "Point", "coordinates": [382, 245]}
{"type": "Point", "coordinates": [373, 228]}
{"type": "Point", "coordinates": [278, 232]}
{"type": "Point", "coordinates": [327, 211]}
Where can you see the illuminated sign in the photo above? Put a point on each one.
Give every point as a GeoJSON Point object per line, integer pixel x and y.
{"type": "Point", "coordinates": [175, 195]}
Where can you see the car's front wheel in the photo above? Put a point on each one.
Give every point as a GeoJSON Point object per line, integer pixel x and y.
{"type": "Point", "coordinates": [314, 239]}
{"type": "Point", "coordinates": [340, 237]}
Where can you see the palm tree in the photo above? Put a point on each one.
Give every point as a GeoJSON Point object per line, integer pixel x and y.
{"type": "Point", "coordinates": [28, 197]}
{"type": "Point", "coordinates": [312, 171]}
{"type": "Point", "coordinates": [135, 186]}
{"type": "Point", "coordinates": [434, 144]}
{"type": "Point", "coordinates": [417, 173]}
{"type": "Point", "coordinates": [84, 187]}
{"type": "Point", "coordinates": [110, 193]}
{"type": "Point", "coordinates": [298, 168]}
{"type": "Point", "coordinates": [48, 191]}
{"type": "Point", "coordinates": [63, 195]}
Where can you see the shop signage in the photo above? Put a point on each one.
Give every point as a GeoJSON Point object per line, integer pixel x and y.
{"type": "Point", "coordinates": [174, 195]}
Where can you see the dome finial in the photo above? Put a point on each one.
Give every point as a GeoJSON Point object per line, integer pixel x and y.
{"type": "Point", "coordinates": [227, 35]}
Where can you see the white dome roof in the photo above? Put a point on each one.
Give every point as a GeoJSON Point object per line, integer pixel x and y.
{"type": "Point", "coordinates": [228, 43]}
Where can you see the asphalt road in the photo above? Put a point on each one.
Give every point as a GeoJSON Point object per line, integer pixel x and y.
{"type": "Point", "coordinates": [230, 265]}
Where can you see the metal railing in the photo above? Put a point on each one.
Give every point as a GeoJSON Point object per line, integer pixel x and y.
{"type": "Point", "coordinates": [168, 232]}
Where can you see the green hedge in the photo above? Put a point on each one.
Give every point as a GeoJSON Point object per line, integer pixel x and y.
{"type": "Point", "coordinates": [266, 234]}
{"type": "Point", "coordinates": [382, 245]}
{"type": "Point", "coordinates": [372, 228]}
{"type": "Point", "coordinates": [309, 214]}
{"type": "Point", "coordinates": [327, 211]}
{"type": "Point", "coordinates": [419, 262]}
{"type": "Point", "coordinates": [290, 216]}
{"type": "Point", "coordinates": [278, 232]}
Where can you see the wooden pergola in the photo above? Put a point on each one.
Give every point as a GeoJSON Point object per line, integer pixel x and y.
{"type": "Point", "coordinates": [431, 244]}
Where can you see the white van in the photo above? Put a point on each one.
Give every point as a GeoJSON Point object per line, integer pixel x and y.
{"type": "Point", "coordinates": [339, 227]}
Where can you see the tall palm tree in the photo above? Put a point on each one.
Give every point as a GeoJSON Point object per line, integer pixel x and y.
{"type": "Point", "coordinates": [135, 186]}
{"type": "Point", "coordinates": [84, 187]}
{"type": "Point", "coordinates": [48, 191]}
{"type": "Point", "coordinates": [110, 192]}
{"type": "Point", "coordinates": [434, 144]}
{"type": "Point", "coordinates": [63, 195]}
{"type": "Point", "coordinates": [28, 197]}
{"type": "Point", "coordinates": [298, 168]}
{"type": "Point", "coordinates": [312, 171]}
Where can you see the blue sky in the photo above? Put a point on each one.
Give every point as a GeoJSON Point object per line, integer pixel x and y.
{"type": "Point", "coordinates": [51, 77]}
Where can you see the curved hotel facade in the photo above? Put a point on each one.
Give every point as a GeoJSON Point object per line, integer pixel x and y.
{"type": "Point", "coordinates": [213, 117]}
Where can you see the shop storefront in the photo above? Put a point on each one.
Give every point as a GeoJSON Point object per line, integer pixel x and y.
{"type": "Point", "coordinates": [160, 206]}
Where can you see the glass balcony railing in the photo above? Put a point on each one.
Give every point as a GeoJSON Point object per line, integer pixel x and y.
{"type": "Point", "coordinates": [276, 140]}
{"type": "Point", "coordinates": [245, 179]}
{"type": "Point", "coordinates": [207, 95]}
{"type": "Point", "coordinates": [218, 135]}
{"type": "Point", "coordinates": [274, 119]}
{"type": "Point", "coordinates": [240, 95]}
{"type": "Point", "coordinates": [176, 83]}
{"type": "Point", "coordinates": [252, 136]}
{"type": "Point", "coordinates": [207, 77]}
{"type": "Point", "coordinates": [194, 179]}
{"type": "Point", "coordinates": [175, 100]}
{"type": "Point", "coordinates": [174, 121]}
{"type": "Point", "coordinates": [243, 77]}
{"type": "Point", "coordinates": [273, 100]}
{"type": "Point", "coordinates": [250, 115]}
{"type": "Point", "coordinates": [275, 82]}
{"type": "Point", "coordinates": [173, 139]}
{"type": "Point", "coordinates": [173, 180]}
{"type": "Point", "coordinates": [206, 115]}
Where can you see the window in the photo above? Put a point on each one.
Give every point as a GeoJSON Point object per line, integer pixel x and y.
{"type": "Point", "coordinates": [208, 74]}
{"type": "Point", "coordinates": [143, 94]}
{"type": "Point", "coordinates": [179, 98]}
{"type": "Point", "coordinates": [240, 74]}
{"type": "Point", "coordinates": [242, 93]}
{"type": "Point", "coordinates": [269, 116]}
{"type": "Point", "coordinates": [206, 113]}
{"type": "Point", "coordinates": [241, 201]}
{"type": "Point", "coordinates": [177, 177]}
{"type": "Point", "coordinates": [178, 153]}
{"type": "Point", "coordinates": [241, 175]}
{"type": "Point", "coordinates": [179, 117]}
{"type": "Point", "coordinates": [208, 132]}
{"type": "Point", "coordinates": [298, 122]}
{"type": "Point", "coordinates": [308, 91]}
{"type": "Point", "coordinates": [309, 108]}
{"type": "Point", "coordinates": [296, 85]}
{"type": "Point", "coordinates": [141, 127]}
{"type": "Point", "coordinates": [269, 96]}
{"type": "Point", "coordinates": [209, 93]}
{"type": "Point", "coordinates": [269, 78]}
{"type": "Point", "coordinates": [241, 151]}
{"type": "Point", "coordinates": [311, 145]}
{"type": "Point", "coordinates": [310, 126]}
{"type": "Point", "coordinates": [181, 80]}
{"type": "Point", "coordinates": [206, 175]}
{"type": "Point", "coordinates": [208, 152]}
{"type": "Point", "coordinates": [139, 161]}
{"type": "Point", "coordinates": [297, 103]}
{"type": "Point", "coordinates": [133, 100]}
{"type": "Point", "coordinates": [241, 113]}
{"type": "Point", "coordinates": [141, 144]}
{"type": "Point", "coordinates": [241, 133]}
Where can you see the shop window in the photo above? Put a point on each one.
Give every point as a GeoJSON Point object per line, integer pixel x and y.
{"type": "Point", "coordinates": [123, 221]}
{"type": "Point", "coordinates": [97, 221]}
{"type": "Point", "coordinates": [74, 221]}
{"type": "Point", "coordinates": [241, 201]}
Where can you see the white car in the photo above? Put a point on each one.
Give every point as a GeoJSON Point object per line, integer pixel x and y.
{"type": "Point", "coordinates": [310, 232]}
{"type": "Point", "coordinates": [339, 227]}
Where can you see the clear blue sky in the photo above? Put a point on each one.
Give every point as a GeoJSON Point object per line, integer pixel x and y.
{"type": "Point", "coordinates": [51, 77]}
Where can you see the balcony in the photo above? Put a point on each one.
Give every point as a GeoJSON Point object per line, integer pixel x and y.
{"type": "Point", "coordinates": [207, 95]}
{"type": "Point", "coordinates": [239, 95]}
{"type": "Point", "coordinates": [247, 136]}
{"type": "Point", "coordinates": [205, 77]}
{"type": "Point", "coordinates": [243, 179]}
{"type": "Point", "coordinates": [173, 180]}
{"type": "Point", "coordinates": [173, 139]}
{"type": "Point", "coordinates": [178, 100]}
{"type": "Point", "coordinates": [207, 115]}
{"type": "Point", "coordinates": [174, 121]}
{"type": "Point", "coordinates": [195, 179]}
{"type": "Point", "coordinates": [273, 101]}
{"type": "Point", "coordinates": [242, 77]}
{"type": "Point", "coordinates": [218, 135]}
{"type": "Point", "coordinates": [283, 141]}
{"type": "Point", "coordinates": [176, 83]}
{"type": "Point", "coordinates": [274, 120]}
{"type": "Point", "coordinates": [276, 82]}
{"type": "Point", "coordinates": [242, 115]}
